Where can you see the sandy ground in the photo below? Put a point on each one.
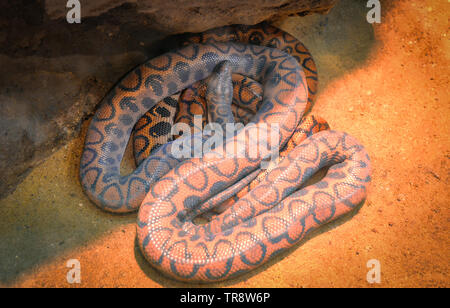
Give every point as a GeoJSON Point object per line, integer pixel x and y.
{"type": "Point", "coordinates": [385, 84]}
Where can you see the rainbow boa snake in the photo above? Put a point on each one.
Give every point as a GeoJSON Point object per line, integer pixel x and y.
{"type": "Point", "coordinates": [267, 211]}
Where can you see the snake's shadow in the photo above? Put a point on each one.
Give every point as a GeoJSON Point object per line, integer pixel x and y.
{"type": "Point", "coordinates": [166, 281]}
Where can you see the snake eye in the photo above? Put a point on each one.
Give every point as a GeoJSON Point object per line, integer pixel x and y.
{"type": "Point", "coordinates": [256, 38]}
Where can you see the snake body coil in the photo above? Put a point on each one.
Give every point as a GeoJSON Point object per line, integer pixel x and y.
{"type": "Point", "coordinates": [169, 192]}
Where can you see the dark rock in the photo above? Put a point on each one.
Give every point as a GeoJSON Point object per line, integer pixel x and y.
{"type": "Point", "coordinates": [177, 16]}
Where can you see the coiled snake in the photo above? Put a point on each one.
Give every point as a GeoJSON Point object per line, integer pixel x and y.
{"type": "Point", "coordinates": [271, 214]}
